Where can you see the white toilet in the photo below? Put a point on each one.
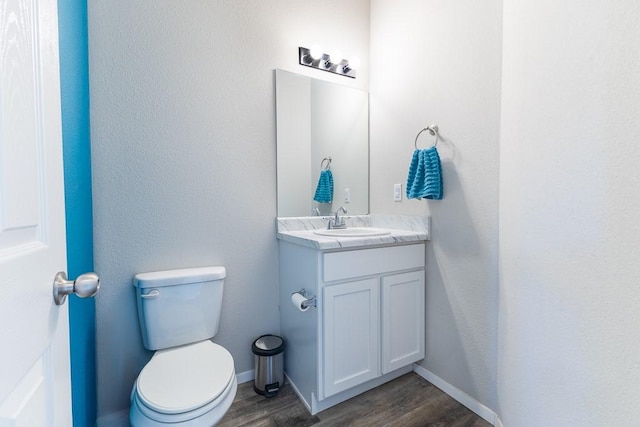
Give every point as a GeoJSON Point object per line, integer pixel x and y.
{"type": "Point", "coordinates": [189, 381]}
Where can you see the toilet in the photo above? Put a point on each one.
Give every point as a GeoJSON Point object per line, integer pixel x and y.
{"type": "Point", "coordinates": [189, 381]}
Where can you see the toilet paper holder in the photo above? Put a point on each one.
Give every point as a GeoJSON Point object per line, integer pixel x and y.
{"type": "Point", "coordinates": [309, 301]}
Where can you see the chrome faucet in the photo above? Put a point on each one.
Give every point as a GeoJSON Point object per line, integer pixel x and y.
{"type": "Point", "coordinates": [337, 221]}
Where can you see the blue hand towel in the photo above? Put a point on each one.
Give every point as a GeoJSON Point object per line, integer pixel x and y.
{"type": "Point", "coordinates": [425, 175]}
{"type": "Point", "coordinates": [324, 190]}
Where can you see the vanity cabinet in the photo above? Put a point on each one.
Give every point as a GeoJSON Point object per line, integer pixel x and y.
{"type": "Point", "coordinates": [368, 326]}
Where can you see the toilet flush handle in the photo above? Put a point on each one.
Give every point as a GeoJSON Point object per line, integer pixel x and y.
{"type": "Point", "coordinates": [154, 293]}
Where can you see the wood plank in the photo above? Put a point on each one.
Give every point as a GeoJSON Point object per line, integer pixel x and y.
{"type": "Point", "coordinates": [406, 401]}
{"type": "Point", "coordinates": [251, 408]}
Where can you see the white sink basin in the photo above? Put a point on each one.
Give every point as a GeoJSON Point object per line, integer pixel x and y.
{"type": "Point", "coordinates": [353, 232]}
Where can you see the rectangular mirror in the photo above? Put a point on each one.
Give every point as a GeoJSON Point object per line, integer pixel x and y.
{"type": "Point", "coordinates": [318, 120]}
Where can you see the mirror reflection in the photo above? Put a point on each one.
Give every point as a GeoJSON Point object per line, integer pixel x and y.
{"type": "Point", "coordinates": [322, 146]}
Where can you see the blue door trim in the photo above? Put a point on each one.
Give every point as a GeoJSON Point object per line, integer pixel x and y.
{"type": "Point", "coordinates": [74, 83]}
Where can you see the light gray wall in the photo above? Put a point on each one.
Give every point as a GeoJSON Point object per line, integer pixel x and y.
{"type": "Point", "coordinates": [183, 152]}
{"type": "Point", "coordinates": [569, 214]}
{"type": "Point", "coordinates": [440, 62]}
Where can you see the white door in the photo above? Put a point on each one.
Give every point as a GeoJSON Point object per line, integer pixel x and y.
{"type": "Point", "coordinates": [351, 344]}
{"type": "Point", "coordinates": [402, 320]}
{"type": "Point", "coordinates": [34, 332]}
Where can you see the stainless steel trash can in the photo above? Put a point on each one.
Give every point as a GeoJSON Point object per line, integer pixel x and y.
{"type": "Point", "coordinates": [268, 352]}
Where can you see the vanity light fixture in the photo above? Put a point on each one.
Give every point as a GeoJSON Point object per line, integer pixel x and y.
{"type": "Point", "coordinates": [322, 61]}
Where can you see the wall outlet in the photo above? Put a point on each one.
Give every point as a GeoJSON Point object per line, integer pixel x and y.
{"type": "Point", "coordinates": [347, 195]}
{"type": "Point", "coordinates": [397, 192]}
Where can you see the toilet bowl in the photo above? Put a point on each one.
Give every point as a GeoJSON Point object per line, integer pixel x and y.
{"type": "Point", "coordinates": [189, 381]}
{"type": "Point", "coordinates": [192, 385]}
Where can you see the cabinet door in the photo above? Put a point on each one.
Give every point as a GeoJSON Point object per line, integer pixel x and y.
{"type": "Point", "coordinates": [351, 334]}
{"type": "Point", "coordinates": [402, 320]}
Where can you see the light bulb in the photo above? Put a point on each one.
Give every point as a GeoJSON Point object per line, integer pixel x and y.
{"type": "Point", "coordinates": [315, 52]}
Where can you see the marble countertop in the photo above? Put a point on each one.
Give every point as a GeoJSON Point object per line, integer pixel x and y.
{"type": "Point", "coordinates": [403, 230]}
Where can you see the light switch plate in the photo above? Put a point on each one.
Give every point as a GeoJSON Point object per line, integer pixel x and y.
{"type": "Point", "coordinates": [397, 192]}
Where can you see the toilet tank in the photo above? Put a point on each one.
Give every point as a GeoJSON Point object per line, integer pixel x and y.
{"type": "Point", "coordinates": [177, 307]}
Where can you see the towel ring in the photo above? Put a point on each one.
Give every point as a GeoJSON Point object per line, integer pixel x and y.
{"type": "Point", "coordinates": [328, 166]}
{"type": "Point", "coordinates": [433, 130]}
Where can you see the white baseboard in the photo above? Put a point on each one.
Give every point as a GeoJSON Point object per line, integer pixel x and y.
{"type": "Point", "coordinates": [459, 395]}
{"type": "Point", "coordinates": [315, 406]}
{"type": "Point", "coordinates": [297, 392]}
{"type": "Point", "coordinates": [498, 422]}
{"type": "Point", "coordinates": [246, 376]}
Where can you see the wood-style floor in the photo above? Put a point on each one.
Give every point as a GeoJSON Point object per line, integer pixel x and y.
{"type": "Point", "coordinates": [406, 401]}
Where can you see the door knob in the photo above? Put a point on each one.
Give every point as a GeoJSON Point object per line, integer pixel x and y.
{"type": "Point", "coordinates": [86, 285]}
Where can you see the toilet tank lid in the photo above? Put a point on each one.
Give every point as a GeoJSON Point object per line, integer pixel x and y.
{"type": "Point", "coordinates": [181, 276]}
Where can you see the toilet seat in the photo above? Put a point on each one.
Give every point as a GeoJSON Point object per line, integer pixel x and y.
{"type": "Point", "coordinates": [206, 416]}
{"type": "Point", "coordinates": [184, 382]}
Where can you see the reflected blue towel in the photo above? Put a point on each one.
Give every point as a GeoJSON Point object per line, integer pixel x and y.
{"type": "Point", "coordinates": [425, 175]}
{"type": "Point", "coordinates": [324, 190]}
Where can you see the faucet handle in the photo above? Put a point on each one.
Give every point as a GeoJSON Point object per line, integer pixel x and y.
{"type": "Point", "coordinates": [338, 221]}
